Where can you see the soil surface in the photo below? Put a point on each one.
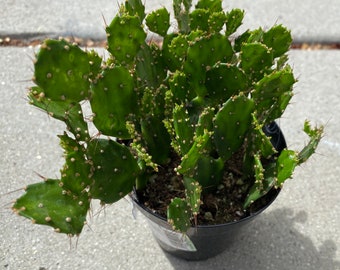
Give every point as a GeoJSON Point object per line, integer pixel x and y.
{"type": "Point", "coordinates": [222, 205]}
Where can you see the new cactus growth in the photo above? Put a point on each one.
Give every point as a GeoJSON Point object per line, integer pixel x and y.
{"type": "Point", "coordinates": [191, 102]}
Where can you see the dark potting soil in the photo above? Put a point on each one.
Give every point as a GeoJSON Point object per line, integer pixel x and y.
{"type": "Point", "coordinates": [223, 205]}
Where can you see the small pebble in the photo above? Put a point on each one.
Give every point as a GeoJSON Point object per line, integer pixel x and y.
{"type": "Point", "coordinates": [239, 213]}
{"type": "Point", "coordinates": [208, 216]}
{"type": "Point", "coordinates": [220, 187]}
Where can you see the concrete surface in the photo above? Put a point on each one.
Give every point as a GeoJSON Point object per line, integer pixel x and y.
{"type": "Point", "coordinates": [299, 231]}
{"type": "Point", "coordinates": [309, 20]}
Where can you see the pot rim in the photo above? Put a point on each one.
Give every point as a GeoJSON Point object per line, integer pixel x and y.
{"type": "Point", "coordinates": [134, 198]}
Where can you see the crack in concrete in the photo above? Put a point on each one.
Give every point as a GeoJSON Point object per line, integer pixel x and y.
{"type": "Point", "coordinates": [35, 39]}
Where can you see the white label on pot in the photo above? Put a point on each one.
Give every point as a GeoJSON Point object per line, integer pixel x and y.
{"type": "Point", "coordinates": [172, 238]}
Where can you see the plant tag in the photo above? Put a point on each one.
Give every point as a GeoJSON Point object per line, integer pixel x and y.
{"type": "Point", "coordinates": [168, 237]}
{"type": "Point", "coordinates": [172, 238]}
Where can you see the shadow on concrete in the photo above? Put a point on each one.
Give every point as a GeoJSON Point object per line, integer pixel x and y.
{"type": "Point", "coordinates": [271, 242]}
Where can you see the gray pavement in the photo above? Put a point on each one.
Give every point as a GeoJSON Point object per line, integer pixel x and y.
{"type": "Point", "coordinates": [310, 20]}
{"type": "Point", "coordinates": [299, 231]}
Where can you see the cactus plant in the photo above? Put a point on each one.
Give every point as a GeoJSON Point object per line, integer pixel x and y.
{"type": "Point", "coordinates": [191, 103]}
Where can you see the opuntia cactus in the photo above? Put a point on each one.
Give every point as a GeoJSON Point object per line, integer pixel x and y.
{"type": "Point", "coordinates": [190, 102]}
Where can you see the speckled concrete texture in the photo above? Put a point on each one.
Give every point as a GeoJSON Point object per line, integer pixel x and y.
{"type": "Point", "coordinates": [309, 20]}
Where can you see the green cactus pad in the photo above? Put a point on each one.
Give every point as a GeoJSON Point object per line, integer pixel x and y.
{"type": "Point", "coordinates": [199, 20]}
{"type": "Point", "coordinates": [259, 142]}
{"type": "Point", "coordinates": [256, 58]}
{"type": "Point", "coordinates": [47, 203]}
{"type": "Point", "coordinates": [205, 120]}
{"type": "Point", "coordinates": [273, 93]}
{"type": "Point", "coordinates": [195, 108]}
{"type": "Point", "coordinates": [315, 136]}
{"type": "Point", "coordinates": [207, 21]}
{"type": "Point", "coordinates": [216, 22]}
{"type": "Point", "coordinates": [274, 85]}
{"type": "Point", "coordinates": [278, 108]}
{"type": "Point", "coordinates": [211, 5]}
{"type": "Point", "coordinates": [149, 68]}
{"type": "Point", "coordinates": [206, 51]}
{"type": "Point", "coordinates": [208, 172]}
{"type": "Point", "coordinates": [256, 36]}
{"type": "Point", "coordinates": [135, 7]}
{"type": "Point", "coordinates": [258, 171]}
{"type": "Point", "coordinates": [279, 39]}
{"type": "Point", "coordinates": [115, 170]}
{"type": "Point", "coordinates": [181, 10]}
{"type": "Point", "coordinates": [179, 214]}
{"type": "Point", "coordinates": [113, 99]}
{"type": "Point", "coordinates": [203, 54]}
{"type": "Point", "coordinates": [183, 129]}
{"type": "Point", "coordinates": [234, 20]}
{"type": "Point", "coordinates": [240, 40]}
{"type": "Point", "coordinates": [285, 165]}
{"type": "Point", "coordinates": [158, 21]}
{"type": "Point", "coordinates": [125, 36]}
{"type": "Point", "coordinates": [156, 138]}
{"type": "Point", "coordinates": [63, 71]}
{"type": "Point", "coordinates": [70, 113]}
{"type": "Point", "coordinates": [225, 80]}
{"type": "Point", "coordinates": [281, 62]}
{"type": "Point", "coordinates": [180, 88]}
{"type": "Point", "coordinates": [263, 184]}
{"type": "Point", "coordinates": [152, 103]}
{"type": "Point", "coordinates": [231, 124]}
{"type": "Point", "coordinates": [144, 158]}
{"type": "Point", "coordinates": [175, 51]}
{"type": "Point", "coordinates": [189, 160]}
{"type": "Point", "coordinates": [76, 173]}
{"type": "Point", "coordinates": [193, 194]}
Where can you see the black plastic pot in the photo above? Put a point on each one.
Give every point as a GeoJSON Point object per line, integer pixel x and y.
{"type": "Point", "coordinates": [203, 242]}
